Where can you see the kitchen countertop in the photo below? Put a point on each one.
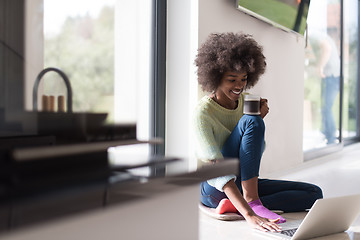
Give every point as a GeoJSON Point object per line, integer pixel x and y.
{"type": "Point", "coordinates": [26, 208]}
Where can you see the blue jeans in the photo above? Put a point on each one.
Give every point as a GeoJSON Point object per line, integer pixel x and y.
{"type": "Point", "coordinates": [246, 142]}
{"type": "Point", "coordinates": [329, 89]}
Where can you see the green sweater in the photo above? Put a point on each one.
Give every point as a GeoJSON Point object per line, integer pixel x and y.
{"type": "Point", "coordinates": [213, 124]}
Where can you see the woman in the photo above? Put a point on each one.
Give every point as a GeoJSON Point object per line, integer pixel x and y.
{"type": "Point", "coordinates": [228, 64]}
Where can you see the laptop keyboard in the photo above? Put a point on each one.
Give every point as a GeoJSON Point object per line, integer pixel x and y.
{"type": "Point", "coordinates": [289, 232]}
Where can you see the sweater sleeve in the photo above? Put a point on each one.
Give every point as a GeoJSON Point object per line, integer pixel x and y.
{"type": "Point", "coordinates": [207, 149]}
{"type": "Point", "coordinates": [220, 182]}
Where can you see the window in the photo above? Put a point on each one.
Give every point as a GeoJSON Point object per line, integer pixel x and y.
{"type": "Point", "coordinates": [322, 75]}
{"type": "Point", "coordinates": [350, 71]}
{"type": "Point", "coordinates": [104, 47]}
{"type": "Point", "coordinates": [331, 75]}
{"type": "Point", "coordinates": [80, 40]}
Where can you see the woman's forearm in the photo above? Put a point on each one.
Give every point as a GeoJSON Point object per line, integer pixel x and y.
{"type": "Point", "coordinates": [236, 198]}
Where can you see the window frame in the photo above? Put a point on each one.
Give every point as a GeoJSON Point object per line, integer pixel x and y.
{"type": "Point", "coordinates": [158, 76]}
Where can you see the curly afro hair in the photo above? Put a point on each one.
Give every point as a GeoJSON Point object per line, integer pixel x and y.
{"type": "Point", "coordinates": [222, 52]}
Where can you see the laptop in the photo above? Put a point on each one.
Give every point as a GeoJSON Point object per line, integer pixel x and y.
{"type": "Point", "coordinates": [326, 216]}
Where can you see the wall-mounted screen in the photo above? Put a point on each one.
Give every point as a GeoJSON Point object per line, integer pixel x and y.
{"type": "Point", "coordinates": [289, 15]}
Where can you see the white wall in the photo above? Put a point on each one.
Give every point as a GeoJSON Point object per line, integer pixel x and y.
{"type": "Point", "coordinates": [181, 88]}
{"type": "Point", "coordinates": [282, 84]}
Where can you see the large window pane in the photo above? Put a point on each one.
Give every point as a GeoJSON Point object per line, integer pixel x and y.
{"type": "Point", "coordinates": [79, 39]}
{"type": "Point", "coordinates": [322, 75]}
{"type": "Point", "coordinates": [350, 71]}
{"type": "Point", "coordinates": [105, 48]}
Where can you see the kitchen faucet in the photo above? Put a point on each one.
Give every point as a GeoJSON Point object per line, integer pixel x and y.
{"type": "Point", "coordinates": [67, 83]}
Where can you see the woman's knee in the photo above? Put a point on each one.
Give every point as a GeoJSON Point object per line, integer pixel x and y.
{"type": "Point", "coordinates": [317, 192]}
{"type": "Point", "coordinates": [252, 128]}
{"type": "Point", "coordinates": [252, 121]}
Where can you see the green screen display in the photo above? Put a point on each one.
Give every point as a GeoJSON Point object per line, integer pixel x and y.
{"type": "Point", "coordinates": [286, 14]}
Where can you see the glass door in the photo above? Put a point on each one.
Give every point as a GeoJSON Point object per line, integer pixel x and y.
{"type": "Point", "coordinates": [322, 75]}
{"type": "Point", "coordinates": [331, 105]}
{"type": "Point", "coordinates": [350, 123]}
